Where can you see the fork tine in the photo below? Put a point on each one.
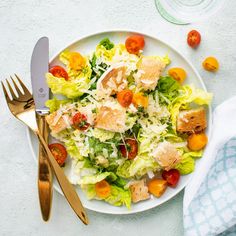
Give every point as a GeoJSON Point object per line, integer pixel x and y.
{"type": "Point", "coordinates": [11, 90]}
{"type": "Point", "coordinates": [16, 87]}
{"type": "Point", "coordinates": [5, 92]}
{"type": "Point", "coordinates": [26, 91]}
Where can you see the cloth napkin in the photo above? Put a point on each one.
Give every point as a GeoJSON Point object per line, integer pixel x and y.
{"type": "Point", "coordinates": [209, 206]}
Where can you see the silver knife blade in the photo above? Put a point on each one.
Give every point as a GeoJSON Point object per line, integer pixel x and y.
{"type": "Point", "coordinates": [39, 67]}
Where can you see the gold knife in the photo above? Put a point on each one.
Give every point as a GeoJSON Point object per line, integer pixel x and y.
{"type": "Point", "coordinates": [45, 179]}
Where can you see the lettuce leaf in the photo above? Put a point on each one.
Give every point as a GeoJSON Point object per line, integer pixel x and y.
{"type": "Point", "coordinates": [72, 149]}
{"type": "Point", "coordinates": [93, 179]}
{"type": "Point", "coordinates": [196, 154]}
{"type": "Point", "coordinates": [186, 166]}
{"type": "Point", "coordinates": [123, 169]}
{"type": "Point", "coordinates": [102, 134]}
{"type": "Point", "coordinates": [119, 197]}
{"type": "Point", "coordinates": [106, 43]}
{"type": "Point", "coordinates": [54, 104]}
{"type": "Point", "coordinates": [168, 87]}
{"type": "Point", "coordinates": [142, 164]}
{"type": "Point", "coordinates": [69, 88]}
{"type": "Point", "coordinates": [137, 167]}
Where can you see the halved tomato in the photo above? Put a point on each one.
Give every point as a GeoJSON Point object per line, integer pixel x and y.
{"type": "Point", "coordinates": [130, 149]}
{"type": "Point", "coordinates": [134, 44]}
{"type": "Point", "coordinates": [125, 97]}
{"type": "Point", "coordinates": [80, 121]}
{"type": "Point", "coordinates": [59, 152]}
{"type": "Point", "coordinates": [59, 72]}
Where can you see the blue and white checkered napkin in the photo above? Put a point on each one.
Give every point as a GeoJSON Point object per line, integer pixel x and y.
{"type": "Point", "coordinates": [210, 197]}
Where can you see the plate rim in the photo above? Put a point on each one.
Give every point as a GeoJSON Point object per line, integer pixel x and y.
{"type": "Point", "coordinates": [199, 78]}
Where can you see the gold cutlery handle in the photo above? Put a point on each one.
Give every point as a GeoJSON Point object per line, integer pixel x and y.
{"type": "Point", "coordinates": [66, 186]}
{"type": "Point", "coordinates": [44, 173]}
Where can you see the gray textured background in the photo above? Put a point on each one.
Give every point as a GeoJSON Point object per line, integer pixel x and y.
{"type": "Point", "coordinates": [21, 24]}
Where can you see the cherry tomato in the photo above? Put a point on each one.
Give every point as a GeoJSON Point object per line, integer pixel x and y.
{"type": "Point", "coordinates": [80, 121]}
{"type": "Point", "coordinates": [171, 176]}
{"type": "Point", "coordinates": [59, 152]}
{"type": "Point", "coordinates": [210, 64]}
{"type": "Point", "coordinates": [77, 61]}
{"type": "Point", "coordinates": [134, 44]}
{"type": "Point", "coordinates": [194, 38]}
{"type": "Point", "coordinates": [140, 100]}
{"type": "Point", "coordinates": [59, 72]}
{"type": "Point", "coordinates": [103, 189]}
{"type": "Point", "coordinates": [178, 74]}
{"type": "Point", "coordinates": [132, 148]}
{"type": "Point", "coordinates": [197, 142]}
{"type": "Point", "coordinates": [157, 187]}
{"type": "Point", "coordinates": [125, 97]}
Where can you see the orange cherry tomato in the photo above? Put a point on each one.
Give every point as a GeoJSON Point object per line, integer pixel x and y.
{"type": "Point", "coordinates": [210, 64]}
{"type": "Point", "coordinates": [157, 187]}
{"type": "Point", "coordinates": [80, 121]}
{"type": "Point", "coordinates": [59, 152]}
{"type": "Point", "coordinates": [76, 61]}
{"type": "Point", "coordinates": [194, 38]}
{"type": "Point", "coordinates": [103, 189]}
{"type": "Point", "coordinates": [134, 44]}
{"type": "Point", "coordinates": [125, 97]}
{"type": "Point", "coordinates": [59, 72]}
{"type": "Point", "coordinates": [171, 176]}
{"type": "Point", "coordinates": [131, 146]}
{"type": "Point", "coordinates": [197, 142]}
{"type": "Point", "coordinates": [139, 100]}
{"type": "Point", "coordinates": [178, 74]}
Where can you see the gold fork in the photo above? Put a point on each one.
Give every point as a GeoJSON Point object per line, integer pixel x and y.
{"type": "Point", "coordinates": [21, 105]}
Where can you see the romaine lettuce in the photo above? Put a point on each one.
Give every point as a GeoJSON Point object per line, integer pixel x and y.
{"type": "Point", "coordinates": [186, 166]}
{"type": "Point", "coordinates": [118, 196]}
{"type": "Point", "coordinates": [68, 88]}
{"type": "Point", "coordinates": [54, 104]}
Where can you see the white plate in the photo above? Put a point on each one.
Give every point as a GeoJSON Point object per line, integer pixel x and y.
{"type": "Point", "coordinates": [153, 46]}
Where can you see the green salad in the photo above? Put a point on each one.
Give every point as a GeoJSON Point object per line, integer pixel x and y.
{"type": "Point", "coordinates": [129, 125]}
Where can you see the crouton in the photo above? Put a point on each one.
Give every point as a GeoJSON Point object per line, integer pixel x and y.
{"type": "Point", "coordinates": [192, 121]}
{"type": "Point", "coordinates": [139, 191]}
{"type": "Point", "coordinates": [112, 81]}
{"type": "Point", "coordinates": [56, 122]}
{"type": "Point", "coordinates": [166, 155]}
{"type": "Point", "coordinates": [111, 119]}
{"type": "Point", "coordinates": [150, 69]}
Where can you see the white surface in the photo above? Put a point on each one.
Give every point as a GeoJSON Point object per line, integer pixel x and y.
{"type": "Point", "coordinates": [86, 46]}
{"type": "Point", "coordinates": [21, 24]}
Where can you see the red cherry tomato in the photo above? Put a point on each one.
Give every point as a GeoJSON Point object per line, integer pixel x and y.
{"type": "Point", "coordinates": [131, 147]}
{"type": "Point", "coordinates": [59, 152]}
{"type": "Point", "coordinates": [58, 71]}
{"type": "Point", "coordinates": [134, 44]}
{"type": "Point", "coordinates": [80, 121]}
{"type": "Point", "coordinates": [171, 176]}
{"type": "Point", "coordinates": [194, 38]}
{"type": "Point", "coordinates": [125, 97]}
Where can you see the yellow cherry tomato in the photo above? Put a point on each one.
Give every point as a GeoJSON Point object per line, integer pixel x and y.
{"type": "Point", "coordinates": [178, 74]}
{"type": "Point", "coordinates": [140, 100]}
{"type": "Point", "coordinates": [76, 61]}
{"type": "Point", "coordinates": [197, 142]}
{"type": "Point", "coordinates": [210, 64]}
